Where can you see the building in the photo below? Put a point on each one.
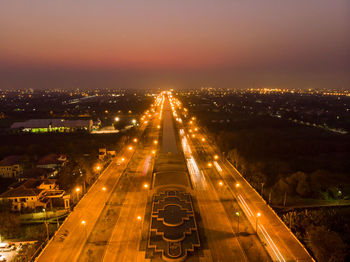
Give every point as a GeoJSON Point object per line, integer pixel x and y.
{"type": "Point", "coordinates": [53, 125]}
{"type": "Point", "coordinates": [11, 166]}
{"type": "Point", "coordinates": [38, 173]}
{"type": "Point", "coordinates": [52, 161]}
{"type": "Point", "coordinates": [34, 194]}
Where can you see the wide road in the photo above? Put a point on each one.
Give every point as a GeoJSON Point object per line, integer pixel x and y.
{"type": "Point", "coordinates": [81, 236]}
{"type": "Point", "coordinates": [220, 229]}
{"type": "Point", "coordinates": [280, 242]}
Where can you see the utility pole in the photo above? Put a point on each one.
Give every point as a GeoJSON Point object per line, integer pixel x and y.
{"type": "Point", "coordinates": [285, 198]}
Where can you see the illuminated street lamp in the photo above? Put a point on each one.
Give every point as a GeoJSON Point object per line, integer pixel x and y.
{"type": "Point", "coordinates": [130, 148]}
{"type": "Point", "coordinates": [104, 188]}
{"type": "Point", "coordinates": [203, 139]}
{"type": "Point", "coordinates": [153, 152]}
{"type": "Point", "coordinates": [257, 218]}
{"type": "Point", "coordinates": [135, 140]}
{"type": "Point", "coordinates": [221, 183]}
{"type": "Point", "coordinates": [216, 157]}
{"type": "Point", "coordinates": [238, 214]}
{"type": "Point", "coordinates": [83, 223]}
{"type": "Point", "coordinates": [155, 142]}
{"type": "Point", "coordinates": [237, 185]}
{"type": "Point", "coordinates": [145, 185]}
{"type": "Point", "coordinates": [77, 190]}
{"type": "Point", "coordinates": [158, 126]}
{"type": "Point", "coordinates": [210, 164]}
{"type": "Point", "coordinates": [98, 168]}
{"type": "Point", "coordinates": [133, 121]}
{"type": "Point", "coordinates": [139, 218]}
{"type": "Point", "coordinates": [122, 159]}
{"type": "Point", "coordinates": [116, 119]}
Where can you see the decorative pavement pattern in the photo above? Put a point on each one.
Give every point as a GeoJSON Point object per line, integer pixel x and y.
{"type": "Point", "coordinates": [173, 228]}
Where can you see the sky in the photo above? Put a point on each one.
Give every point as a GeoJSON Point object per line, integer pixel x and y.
{"type": "Point", "coordinates": [161, 43]}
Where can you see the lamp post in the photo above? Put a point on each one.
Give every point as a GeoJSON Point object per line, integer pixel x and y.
{"type": "Point", "coordinates": [46, 225]}
{"type": "Point", "coordinates": [83, 222]}
{"type": "Point", "coordinates": [238, 214]}
{"type": "Point", "coordinates": [257, 218]}
{"type": "Point", "coordinates": [77, 190]}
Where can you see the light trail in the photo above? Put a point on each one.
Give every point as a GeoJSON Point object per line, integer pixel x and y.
{"type": "Point", "coordinates": [245, 205]}
{"type": "Point", "coordinates": [217, 166]}
{"type": "Point", "coordinates": [185, 146]}
{"type": "Point", "coordinates": [271, 243]}
{"type": "Point", "coordinates": [181, 132]}
{"type": "Point", "coordinates": [146, 165]}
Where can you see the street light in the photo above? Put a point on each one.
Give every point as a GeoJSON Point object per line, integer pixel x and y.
{"type": "Point", "coordinates": [203, 139]}
{"type": "Point", "coordinates": [238, 214]}
{"type": "Point", "coordinates": [98, 167]}
{"type": "Point", "coordinates": [133, 121]}
{"type": "Point", "coordinates": [237, 185]}
{"type": "Point", "coordinates": [155, 142]}
{"type": "Point", "coordinates": [257, 218]}
{"type": "Point", "coordinates": [138, 217]}
{"type": "Point", "coordinates": [130, 148]}
{"type": "Point", "coordinates": [216, 157]}
{"type": "Point", "coordinates": [145, 185]}
{"type": "Point", "coordinates": [135, 140]}
{"type": "Point", "coordinates": [46, 224]}
{"type": "Point", "coordinates": [83, 223]}
{"type": "Point", "coordinates": [104, 188]}
{"type": "Point", "coordinates": [153, 152]}
{"type": "Point", "coordinates": [221, 183]}
{"type": "Point", "coordinates": [77, 190]}
{"type": "Point", "coordinates": [116, 119]}
{"type": "Point", "coordinates": [210, 164]}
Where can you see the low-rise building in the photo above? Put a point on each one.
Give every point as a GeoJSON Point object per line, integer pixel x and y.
{"type": "Point", "coordinates": [11, 166]}
{"type": "Point", "coordinates": [33, 194]}
{"type": "Point", "coordinates": [38, 173]}
{"type": "Point", "coordinates": [52, 161]}
{"type": "Point", "coordinates": [53, 125]}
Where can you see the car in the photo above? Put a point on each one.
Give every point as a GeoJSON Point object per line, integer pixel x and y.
{"type": "Point", "coordinates": [2, 258]}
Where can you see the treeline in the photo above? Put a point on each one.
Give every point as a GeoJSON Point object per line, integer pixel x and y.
{"type": "Point", "coordinates": [278, 162]}
{"type": "Point", "coordinates": [319, 230]}
{"type": "Point", "coordinates": [70, 144]}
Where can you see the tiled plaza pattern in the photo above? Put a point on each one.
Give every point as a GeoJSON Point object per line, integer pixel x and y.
{"type": "Point", "coordinates": [173, 229]}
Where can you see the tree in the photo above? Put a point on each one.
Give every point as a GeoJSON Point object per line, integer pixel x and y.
{"type": "Point", "coordinates": [9, 224]}
{"type": "Point", "coordinates": [303, 187]}
{"type": "Point", "coordinates": [326, 245]}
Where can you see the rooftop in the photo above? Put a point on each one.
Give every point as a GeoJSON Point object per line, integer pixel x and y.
{"type": "Point", "coordinates": [11, 160]}
{"type": "Point", "coordinates": [45, 123]}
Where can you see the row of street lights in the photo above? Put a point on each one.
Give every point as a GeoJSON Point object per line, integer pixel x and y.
{"type": "Point", "coordinates": [221, 183]}
{"type": "Point", "coordinates": [130, 148]}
